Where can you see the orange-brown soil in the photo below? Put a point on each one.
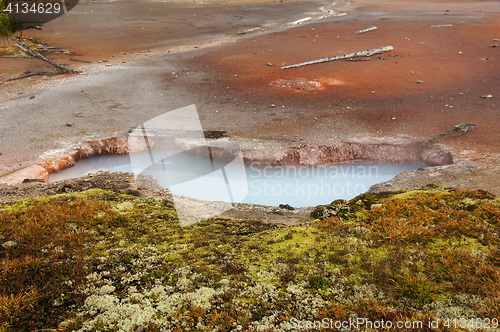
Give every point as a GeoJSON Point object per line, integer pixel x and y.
{"type": "Point", "coordinates": [433, 80]}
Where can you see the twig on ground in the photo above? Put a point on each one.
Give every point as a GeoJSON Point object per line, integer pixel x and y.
{"type": "Point", "coordinates": [17, 56]}
{"type": "Point", "coordinates": [362, 59]}
{"type": "Point", "coordinates": [441, 25]}
{"type": "Point", "coordinates": [38, 55]}
{"type": "Point", "coordinates": [456, 131]}
{"type": "Point", "coordinates": [365, 30]}
{"type": "Point", "coordinates": [344, 56]}
{"type": "Point", "coordinates": [79, 60]}
{"type": "Point", "coordinates": [32, 73]}
{"type": "Point", "coordinates": [302, 20]}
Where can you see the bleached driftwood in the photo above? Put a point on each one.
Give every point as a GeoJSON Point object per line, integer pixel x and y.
{"type": "Point", "coordinates": [366, 30]}
{"type": "Point", "coordinates": [441, 25]}
{"type": "Point", "coordinates": [344, 56]}
{"type": "Point", "coordinates": [362, 59]}
{"type": "Point", "coordinates": [302, 20]}
{"type": "Point", "coordinates": [38, 55]}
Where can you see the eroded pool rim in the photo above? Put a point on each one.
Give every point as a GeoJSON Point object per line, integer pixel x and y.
{"type": "Point", "coordinates": [386, 149]}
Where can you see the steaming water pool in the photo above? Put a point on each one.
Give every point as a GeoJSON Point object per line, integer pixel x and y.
{"type": "Point", "coordinates": [298, 186]}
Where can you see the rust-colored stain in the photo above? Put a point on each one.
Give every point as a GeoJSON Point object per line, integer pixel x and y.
{"type": "Point", "coordinates": [431, 81]}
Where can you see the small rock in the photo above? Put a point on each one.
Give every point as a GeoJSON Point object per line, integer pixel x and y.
{"type": "Point", "coordinates": [272, 105]}
{"type": "Point", "coordinates": [494, 45]}
{"type": "Point", "coordinates": [420, 82]}
{"type": "Point", "coordinates": [133, 192]}
{"type": "Point", "coordinates": [68, 124]}
{"type": "Point", "coordinates": [270, 64]}
{"type": "Point", "coordinates": [486, 96]}
{"type": "Point", "coordinates": [32, 97]}
{"type": "Point", "coordinates": [286, 206]}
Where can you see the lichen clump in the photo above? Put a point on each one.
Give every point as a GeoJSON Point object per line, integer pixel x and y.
{"type": "Point", "coordinates": [106, 261]}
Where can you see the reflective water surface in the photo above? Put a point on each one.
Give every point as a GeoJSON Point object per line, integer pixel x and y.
{"type": "Point", "coordinates": [299, 186]}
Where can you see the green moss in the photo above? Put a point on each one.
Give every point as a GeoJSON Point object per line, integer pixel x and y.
{"type": "Point", "coordinates": [471, 245]}
{"type": "Point", "coordinates": [414, 193]}
{"type": "Point", "coordinates": [386, 255]}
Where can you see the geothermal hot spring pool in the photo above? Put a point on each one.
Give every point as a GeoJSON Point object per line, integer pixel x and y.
{"type": "Point", "coordinates": [298, 186]}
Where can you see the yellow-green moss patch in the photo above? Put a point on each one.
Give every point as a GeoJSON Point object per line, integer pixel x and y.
{"type": "Point", "coordinates": [113, 262]}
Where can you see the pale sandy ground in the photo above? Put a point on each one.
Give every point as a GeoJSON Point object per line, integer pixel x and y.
{"type": "Point", "coordinates": [159, 56]}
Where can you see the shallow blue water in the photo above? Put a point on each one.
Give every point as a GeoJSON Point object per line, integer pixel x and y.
{"type": "Point", "coordinates": [299, 186]}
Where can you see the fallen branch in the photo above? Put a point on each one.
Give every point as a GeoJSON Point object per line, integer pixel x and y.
{"type": "Point", "coordinates": [456, 131]}
{"type": "Point", "coordinates": [365, 30]}
{"type": "Point", "coordinates": [302, 20]}
{"type": "Point", "coordinates": [38, 55]}
{"type": "Point", "coordinates": [17, 56]}
{"type": "Point", "coordinates": [344, 56]}
{"type": "Point", "coordinates": [441, 25]}
{"type": "Point", "coordinates": [33, 73]}
{"type": "Point", "coordinates": [80, 60]}
{"type": "Point", "coordinates": [362, 59]}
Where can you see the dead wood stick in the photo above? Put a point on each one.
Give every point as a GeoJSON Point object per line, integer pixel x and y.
{"type": "Point", "coordinates": [344, 56]}
{"type": "Point", "coordinates": [362, 59]}
{"type": "Point", "coordinates": [33, 73]}
{"type": "Point", "coordinates": [17, 56]}
{"type": "Point", "coordinates": [441, 25]}
{"type": "Point", "coordinates": [38, 55]}
{"type": "Point", "coordinates": [80, 60]}
{"type": "Point", "coordinates": [366, 30]}
{"type": "Point", "coordinates": [456, 131]}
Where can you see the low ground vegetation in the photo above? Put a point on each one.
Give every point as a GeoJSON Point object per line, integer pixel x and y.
{"type": "Point", "coordinates": [103, 260]}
